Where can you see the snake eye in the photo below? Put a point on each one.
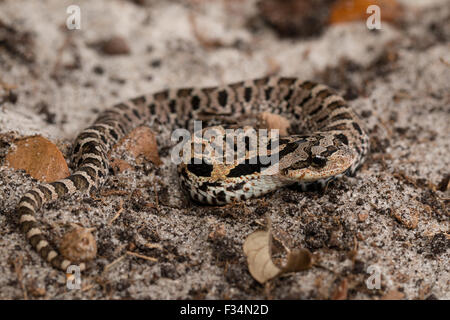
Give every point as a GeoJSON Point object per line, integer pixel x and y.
{"type": "Point", "coordinates": [318, 161]}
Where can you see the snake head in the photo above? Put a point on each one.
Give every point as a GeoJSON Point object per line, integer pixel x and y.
{"type": "Point", "coordinates": [315, 158]}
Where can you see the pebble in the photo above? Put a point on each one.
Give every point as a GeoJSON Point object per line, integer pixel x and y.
{"type": "Point", "coordinates": [115, 46]}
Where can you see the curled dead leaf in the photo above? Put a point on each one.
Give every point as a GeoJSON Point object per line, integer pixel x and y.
{"type": "Point", "coordinates": [257, 248]}
{"type": "Point", "coordinates": [260, 264]}
{"type": "Point", "coordinates": [298, 260]}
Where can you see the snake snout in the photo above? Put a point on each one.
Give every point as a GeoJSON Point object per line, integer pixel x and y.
{"type": "Point", "coordinates": [319, 167]}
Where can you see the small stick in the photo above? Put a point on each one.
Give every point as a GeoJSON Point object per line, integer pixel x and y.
{"type": "Point", "coordinates": [153, 246]}
{"type": "Point", "coordinates": [18, 268]}
{"type": "Point", "coordinates": [118, 213]}
{"type": "Point", "coordinates": [142, 256]}
{"type": "Point", "coordinates": [87, 288]}
{"type": "Point", "coordinates": [156, 196]}
{"type": "Point", "coordinates": [113, 263]}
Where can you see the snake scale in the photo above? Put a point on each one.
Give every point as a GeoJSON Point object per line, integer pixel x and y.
{"type": "Point", "coordinates": [332, 143]}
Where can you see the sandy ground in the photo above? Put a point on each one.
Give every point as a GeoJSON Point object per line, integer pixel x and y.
{"type": "Point", "coordinates": [391, 215]}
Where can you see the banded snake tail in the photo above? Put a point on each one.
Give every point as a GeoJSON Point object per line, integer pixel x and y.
{"type": "Point", "coordinates": [334, 144]}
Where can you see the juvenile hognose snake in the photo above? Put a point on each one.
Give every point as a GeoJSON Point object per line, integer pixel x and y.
{"type": "Point", "coordinates": [333, 144]}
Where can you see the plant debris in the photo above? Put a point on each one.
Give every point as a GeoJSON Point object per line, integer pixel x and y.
{"type": "Point", "coordinates": [39, 157]}
{"type": "Point", "coordinates": [354, 10]}
{"type": "Point", "coordinates": [258, 249]}
{"type": "Point", "coordinates": [140, 144]}
{"type": "Point", "coordinates": [79, 244]}
{"type": "Point", "coordinates": [393, 295]}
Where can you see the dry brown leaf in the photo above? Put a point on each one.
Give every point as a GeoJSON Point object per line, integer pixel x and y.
{"type": "Point", "coordinates": [393, 295]}
{"type": "Point", "coordinates": [140, 142]}
{"type": "Point", "coordinates": [257, 248]}
{"type": "Point", "coordinates": [341, 291]}
{"type": "Point", "coordinates": [410, 223]}
{"type": "Point", "coordinates": [351, 10]}
{"type": "Point", "coordinates": [270, 121]}
{"type": "Point", "coordinates": [298, 260]}
{"type": "Point", "coordinates": [119, 165]}
{"type": "Point", "coordinates": [218, 232]}
{"type": "Point", "coordinates": [39, 157]}
{"type": "Point", "coordinates": [35, 290]}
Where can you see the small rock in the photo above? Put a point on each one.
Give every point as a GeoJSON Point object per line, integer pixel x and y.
{"type": "Point", "coordinates": [39, 157]}
{"type": "Point", "coordinates": [366, 113]}
{"type": "Point", "coordinates": [156, 63]}
{"type": "Point", "coordinates": [12, 97]}
{"type": "Point", "coordinates": [358, 266]}
{"type": "Point", "coordinates": [115, 46]}
{"type": "Point", "coordinates": [439, 243]}
{"type": "Point", "coordinates": [295, 18]}
{"type": "Point", "coordinates": [444, 185]}
{"type": "Point", "coordinates": [98, 70]}
{"type": "Point", "coordinates": [362, 216]}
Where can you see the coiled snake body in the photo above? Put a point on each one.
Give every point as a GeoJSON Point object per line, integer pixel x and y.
{"type": "Point", "coordinates": [334, 144]}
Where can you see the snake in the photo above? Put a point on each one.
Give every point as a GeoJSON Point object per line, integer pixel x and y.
{"type": "Point", "coordinates": [325, 140]}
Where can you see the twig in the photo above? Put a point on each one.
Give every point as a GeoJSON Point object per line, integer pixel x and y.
{"type": "Point", "coordinates": [109, 266]}
{"type": "Point", "coordinates": [153, 246]}
{"type": "Point", "coordinates": [156, 196]}
{"type": "Point", "coordinates": [87, 288]}
{"type": "Point", "coordinates": [18, 263]}
{"type": "Point", "coordinates": [114, 193]}
{"type": "Point", "coordinates": [60, 51]}
{"type": "Point", "coordinates": [141, 256]}
{"type": "Point", "coordinates": [118, 212]}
